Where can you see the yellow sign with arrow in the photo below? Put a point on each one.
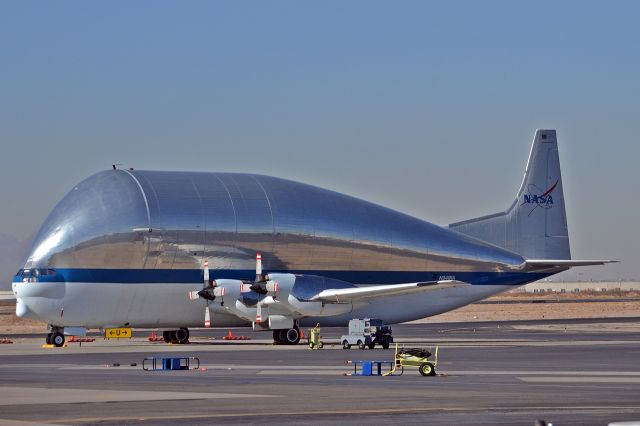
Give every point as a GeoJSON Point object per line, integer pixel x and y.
{"type": "Point", "coordinates": [118, 333]}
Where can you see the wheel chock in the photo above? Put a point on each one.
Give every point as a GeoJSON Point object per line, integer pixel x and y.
{"type": "Point", "coordinates": [50, 346]}
{"type": "Point", "coordinates": [231, 336]}
{"type": "Point", "coordinates": [155, 338]}
{"type": "Point", "coordinates": [74, 339]}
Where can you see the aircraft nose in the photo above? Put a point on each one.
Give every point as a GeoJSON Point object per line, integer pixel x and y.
{"type": "Point", "coordinates": [38, 293]}
{"type": "Point", "coordinates": [43, 290]}
{"type": "Point", "coordinates": [22, 309]}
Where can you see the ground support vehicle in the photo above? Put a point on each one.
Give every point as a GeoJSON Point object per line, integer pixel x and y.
{"type": "Point", "coordinates": [315, 339]}
{"type": "Point", "coordinates": [424, 360]}
{"type": "Point", "coordinates": [367, 332]}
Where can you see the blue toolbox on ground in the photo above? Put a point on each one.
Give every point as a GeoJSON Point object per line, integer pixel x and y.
{"type": "Point", "coordinates": [370, 368]}
{"type": "Point", "coordinates": [176, 363]}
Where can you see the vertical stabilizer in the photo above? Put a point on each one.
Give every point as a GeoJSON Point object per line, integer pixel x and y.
{"type": "Point", "coordinates": [535, 226]}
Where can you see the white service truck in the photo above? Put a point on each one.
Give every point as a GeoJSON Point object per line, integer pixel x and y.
{"type": "Point", "coordinates": [367, 332]}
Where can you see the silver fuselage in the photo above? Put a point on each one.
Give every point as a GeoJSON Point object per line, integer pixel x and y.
{"type": "Point", "coordinates": [125, 248]}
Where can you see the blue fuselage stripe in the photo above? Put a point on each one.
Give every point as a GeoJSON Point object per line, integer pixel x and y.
{"type": "Point", "coordinates": [191, 276]}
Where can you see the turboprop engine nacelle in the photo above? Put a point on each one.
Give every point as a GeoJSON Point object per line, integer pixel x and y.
{"type": "Point", "coordinates": [229, 298]}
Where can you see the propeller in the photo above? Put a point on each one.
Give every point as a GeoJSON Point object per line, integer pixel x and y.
{"type": "Point", "coordinates": [210, 289]}
{"type": "Point", "coordinates": [208, 293]}
{"type": "Point", "coordinates": [262, 285]}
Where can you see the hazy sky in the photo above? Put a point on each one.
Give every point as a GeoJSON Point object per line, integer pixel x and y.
{"type": "Point", "coordinates": [428, 108]}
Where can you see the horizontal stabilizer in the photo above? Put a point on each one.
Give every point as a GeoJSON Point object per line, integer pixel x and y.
{"type": "Point", "coordinates": [361, 293]}
{"type": "Point", "coordinates": [536, 264]}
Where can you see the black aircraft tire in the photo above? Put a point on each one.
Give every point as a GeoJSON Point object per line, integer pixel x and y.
{"type": "Point", "coordinates": [385, 346]}
{"type": "Point", "coordinates": [278, 337]}
{"type": "Point", "coordinates": [371, 345]}
{"type": "Point", "coordinates": [57, 339]}
{"type": "Point", "coordinates": [166, 335]}
{"type": "Point", "coordinates": [292, 336]}
{"type": "Point", "coordinates": [182, 336]}
{"type": "Point", "coordinates": [48, 339]}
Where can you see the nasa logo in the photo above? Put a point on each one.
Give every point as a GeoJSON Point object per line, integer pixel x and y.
{"type": "Point", "coordinates": [539, 198]}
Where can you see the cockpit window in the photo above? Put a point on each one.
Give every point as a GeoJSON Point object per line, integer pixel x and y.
{"type": "Point", "coordinates": [33, 273]}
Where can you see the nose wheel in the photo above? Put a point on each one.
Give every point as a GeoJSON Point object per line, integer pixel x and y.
{"type": "Point", "coordinates": [55, 338]}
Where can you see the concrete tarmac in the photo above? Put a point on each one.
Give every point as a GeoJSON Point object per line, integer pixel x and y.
{"type": "Point", "coordinates": [567, 372]}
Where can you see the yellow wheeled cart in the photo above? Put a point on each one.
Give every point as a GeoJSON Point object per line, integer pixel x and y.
{"type": "Point", "coordinates": [422, 359]}
{"type": "Point", "coordinates": [315, 341]}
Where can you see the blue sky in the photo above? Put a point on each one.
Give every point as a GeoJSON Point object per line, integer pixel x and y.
{"type": "Point", "coordinates": [428, 108]}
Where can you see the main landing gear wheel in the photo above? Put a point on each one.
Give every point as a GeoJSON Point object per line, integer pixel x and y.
{"type": "Point", "coordinates": [278, 336]}
{"type": "Point", "coordinates": [182, 336]}
{"type": "Point", "coordinates": [48, 339]}
{"type": "Point", "coordinates": [287, 336]}
{"type": "Point", "coordinates": [57, 339]}
{"type": "Point", "coordinates": [292, 336]}
{"type": "Point", "coordinates": [169, 336]}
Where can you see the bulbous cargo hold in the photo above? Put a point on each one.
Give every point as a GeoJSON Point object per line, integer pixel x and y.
{"type": "Point", "coordinates": [171, 221]}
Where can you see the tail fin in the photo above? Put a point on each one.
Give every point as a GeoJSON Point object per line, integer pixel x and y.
{"type": "Point", "coordinates": [535, 226]}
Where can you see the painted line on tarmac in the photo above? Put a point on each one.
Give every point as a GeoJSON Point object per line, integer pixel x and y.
{"type": "Point", "coordinates": [314, 372]}
{"type": "Point", "coordinates": [540, 373]}
{"type": "Point", "coordinates": [18, 395]}
{"type": "Point", "coordinates": [318, 414]}
{"type": "Point", "coordinates": [322, 370]}
{"type": "Point", "coordinates": [559, 379]}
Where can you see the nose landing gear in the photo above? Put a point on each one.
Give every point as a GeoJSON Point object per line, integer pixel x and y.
{"type": "Point", "coordinates": [55, 337]}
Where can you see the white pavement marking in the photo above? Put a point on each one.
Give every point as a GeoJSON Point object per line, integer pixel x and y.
{"type": "Point", "coordinates": [310, 372]}
{"type": "Point", "coordinates": [7, 422]}
{"type": "Point", "coordinates": [323, 370]}
{"type": "Point", "coordinates": [623, 327]}
{"type": "Point", "coordinates": [212, 367]}
{"type": "Point", "coordinates": [540, 373]}
{"type": "Point", "coordinates": [15, 395]}
{"type": "Point", "coordinates": [600, 379]}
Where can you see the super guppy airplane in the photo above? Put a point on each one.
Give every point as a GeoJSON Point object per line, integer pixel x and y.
{"type": "Point", "coordinates": [127, 248]}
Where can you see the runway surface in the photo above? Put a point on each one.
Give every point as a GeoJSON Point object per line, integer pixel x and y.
{"type": "Point", "coordinates": [568, 372]}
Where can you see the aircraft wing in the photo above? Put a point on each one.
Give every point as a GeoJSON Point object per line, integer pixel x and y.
{"type": "Point", "coordinates": [369, 292]}
{"type": "Point", "coordinates": [535, 264]}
